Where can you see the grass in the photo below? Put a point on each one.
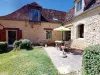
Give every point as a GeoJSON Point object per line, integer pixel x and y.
{"type": "Point", "coordinates": [23, 62]}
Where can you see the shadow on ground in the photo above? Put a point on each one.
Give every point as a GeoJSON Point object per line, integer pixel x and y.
{"type": "Point", "coordinates": [74, 51]}
{"type": "Point", "coordinates": [11, 48]}
{"type": "Point", "coordinates": [8, 50]}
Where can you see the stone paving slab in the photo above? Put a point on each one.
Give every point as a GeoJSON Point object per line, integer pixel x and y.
{"type": "Point", "coordinates": [64, 65]}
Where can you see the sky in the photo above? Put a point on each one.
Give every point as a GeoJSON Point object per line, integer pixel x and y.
{"type": "Point", "coordinates": [9, 6]}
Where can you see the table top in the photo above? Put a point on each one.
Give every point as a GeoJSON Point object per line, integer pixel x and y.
{"type": "Point", "coordinates": [59, 41]}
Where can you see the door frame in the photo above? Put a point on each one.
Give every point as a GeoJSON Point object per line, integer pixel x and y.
{"type": "Point", "coordinates": [7, 37]}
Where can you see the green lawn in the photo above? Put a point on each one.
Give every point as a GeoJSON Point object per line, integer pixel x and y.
{"type": "Point", "coordinates": [34, 62]}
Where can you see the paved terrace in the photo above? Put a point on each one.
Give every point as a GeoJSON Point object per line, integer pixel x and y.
{"type": "Point", "coordinates": [73, 62]}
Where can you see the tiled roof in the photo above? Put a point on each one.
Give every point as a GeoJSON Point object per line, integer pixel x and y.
{"type": "Point", "coordinates": [21, 14]}
{"type": "Point", "coordinates": [70, 14]}
{"type": "Point", "coordinates": [86, 2]}
{"type": "Point", "coordinates": [91, 3]}
{"type": "Point", "coordinates": [48, 15]}
{"type": "Point", "coordinates": [88, 5]}
{"type": "Point", "coordinates": [35, 4]}
{"type": "Point", "coordinates": [53, 15]}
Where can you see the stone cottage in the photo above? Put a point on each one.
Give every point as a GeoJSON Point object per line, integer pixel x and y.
{"type": "Point", "coordinates": [36, 24]}
{"type": "Point", "coordinates": [84, 21]}
{"type": "Point", "coordinates": [31, 22]}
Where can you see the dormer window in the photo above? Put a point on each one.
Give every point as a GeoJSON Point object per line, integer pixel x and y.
{"type": "Point", "coordinates": [34, 15]}
{"type": "Point", "coordinates": [79, 5]}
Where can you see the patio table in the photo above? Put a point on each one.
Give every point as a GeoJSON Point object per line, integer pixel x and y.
{"type": "Point", "coordinates": [62, 45]}
{"type": "Point", "coordinates": [59, 43]}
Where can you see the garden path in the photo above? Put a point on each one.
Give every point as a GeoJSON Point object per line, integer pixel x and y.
{"type": "Point", "coordinates": [72, 63]}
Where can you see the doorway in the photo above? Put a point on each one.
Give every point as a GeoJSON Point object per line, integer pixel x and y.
{"type": "Point", "coordinates": [67, 35]}
{"type": "Point", "coordinates": [12, 36]}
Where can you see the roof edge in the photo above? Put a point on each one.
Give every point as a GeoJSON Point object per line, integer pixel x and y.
{"type": "Point", "coordinates": [84, 12]}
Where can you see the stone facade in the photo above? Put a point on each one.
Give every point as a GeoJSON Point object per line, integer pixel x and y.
{"type": "Point", "coordinates": [91, 21]}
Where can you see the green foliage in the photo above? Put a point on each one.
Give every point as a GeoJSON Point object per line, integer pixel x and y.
{"type": "Point", "coordinates": [22, 44]}
{"type": "Point", "coordinates": [17, 44]}
{"type": "Point", "coordinates": [91, 60]}
{"type": "Point", "coordinates": [25, 44]}
{"type": "Point", "coordinates": [3, 47]}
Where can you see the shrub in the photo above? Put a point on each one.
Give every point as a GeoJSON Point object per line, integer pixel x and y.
{"type": "Point", "coordinates": [22, 44]}
{"type": "Point", "coordinates": [17, 44]}
{"type": "Point", "coordinates": [26, 44]}
{"type": "Point", "coordinates": [3, 47]}
{"type": "Point", "coordinates": [91, 60]}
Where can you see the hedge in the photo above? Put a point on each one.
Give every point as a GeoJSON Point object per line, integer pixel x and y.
{"type": "Point", "coordinates": [91, 60]}
{"type": "Point", "coordinates": [3, 47]}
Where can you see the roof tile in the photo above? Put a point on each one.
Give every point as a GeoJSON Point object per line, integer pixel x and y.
{"type": "Point", "coordinates": [48, 15]}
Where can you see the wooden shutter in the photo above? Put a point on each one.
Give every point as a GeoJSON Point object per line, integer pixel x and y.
{"type": "Point", "coordinates": [19, 34]}
{"type": "Point", "coordinates": [2, 35]}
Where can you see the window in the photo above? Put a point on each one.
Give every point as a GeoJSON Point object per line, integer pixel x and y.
{"type": "Point", "coordinates": [79, 5]}
{"type": "Point", "coordinates": [34, 15]}
{"type": "Point", "coordinates": [68, 36]}
{"type": "Point", "coordinates": [55, 19]}
{"type": "Point", "coordinates": [81, 31]}
{"type": "Point", "coordinates": [48, 34]}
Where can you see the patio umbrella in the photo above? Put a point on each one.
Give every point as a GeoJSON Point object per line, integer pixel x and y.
{"type": "Point", "coordinates": [62, 29]}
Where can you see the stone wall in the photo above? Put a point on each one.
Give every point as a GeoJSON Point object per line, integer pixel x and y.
{"type": "Point", "coordinates": [91, 21]}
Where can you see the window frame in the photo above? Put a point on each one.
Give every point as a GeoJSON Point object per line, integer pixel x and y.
{"type": "Point", "coordinates": [49, 36]}
{"type": "Point", "coordinates": [32, 14]}
{"type": "Point", "coordinates": [80, 31]}
{"type": "Point", "coordinates": [79, 6]}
